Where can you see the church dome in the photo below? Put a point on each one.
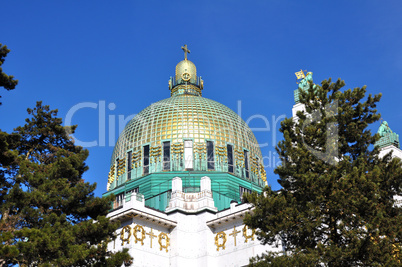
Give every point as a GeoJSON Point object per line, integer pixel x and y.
{"type": "Point", "coordinates": [186, 132]}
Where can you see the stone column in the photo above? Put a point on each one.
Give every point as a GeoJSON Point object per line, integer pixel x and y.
{"type": "Point", "coordinates": [177, 185]}
{"type": "Point", "coordinates": [205, 183]}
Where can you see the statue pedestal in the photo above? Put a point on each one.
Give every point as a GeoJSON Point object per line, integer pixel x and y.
{"type": "Point", "coordinates": [389, 139]}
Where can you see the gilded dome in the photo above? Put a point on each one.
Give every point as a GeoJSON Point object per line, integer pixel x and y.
{"type": "Point", "coordinates": [186, 132]}
{"type": "Point", "coordinates": [186, 117]}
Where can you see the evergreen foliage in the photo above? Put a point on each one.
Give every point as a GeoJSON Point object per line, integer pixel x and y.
{"type": "Point", "coordinates": [338, 208]}
{"type": "Point", "coordinates": [6, 81]}
{"type": "Point", "coordinates": [48, 215]}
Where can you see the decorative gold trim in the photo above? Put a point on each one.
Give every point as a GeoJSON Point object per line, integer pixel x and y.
{"type": "Point", "coordinates": [217, 237]}
{"type": "Point", "coordinates": [234, 234]}
{"type": "Point", "coordinates": [151, 236]}
{"type": "Point", "coordinates": [263, 173]}
{"type": "Point", "coordinates": [239, 157]}
{"type": "Point", "coordinates": [186, 76]}
{"type": "Point", "coordinates": [155, 151]}
{"type": "Point", "coordinates": [136, 229]}
{"type": "Point", "coordinates": [200, 148]}
{"type": "Point", "coordinates": [220, 150]}
{"type": "Point", "coordinates": [125, 229]}
{"type": "Point", "coordinates": [110, 177]}
{"type": "Point", "coordinates": [300, 75]}
{"type": "Point", "coordinates": [245, 228]}
{"type": "Point", "coordinates": [163, 236]}
{"type": "Point", "coordinates": [177, 148]}
{"type": "Point", "coordinates": [121, 166]}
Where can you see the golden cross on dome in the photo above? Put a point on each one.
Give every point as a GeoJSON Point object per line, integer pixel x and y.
{"type": "Point", "coordinates": [185, 49]}
{"type": "Point", "coordinates": [151, 235]}
{"type": "Point", "coordinates": [234, 234]}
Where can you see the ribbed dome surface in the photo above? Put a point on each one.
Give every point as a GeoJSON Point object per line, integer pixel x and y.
{"type": "Point", "coordinates": [186, 117]}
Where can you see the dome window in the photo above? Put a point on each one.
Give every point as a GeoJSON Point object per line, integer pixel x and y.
{"type": "Point", "coordinates": [230, 158]}
{"type": "Point", "coordinates": [117, 172]}
{"type": "Point", "coordinates": [246, 164]}
{"type": "Point", "coordinates": [129, 164]}
{"type": "Point", "coordinates": [210, 155]}
{"type": "Point", "coordinates": [146, 160]}
{"type": "Point", "coordinates": [166, 156]}
{"type": "Point", "coordinates": [188, 155]}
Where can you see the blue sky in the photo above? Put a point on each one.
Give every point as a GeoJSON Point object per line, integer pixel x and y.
{"type": "Point", "coordinates": [122, 53]}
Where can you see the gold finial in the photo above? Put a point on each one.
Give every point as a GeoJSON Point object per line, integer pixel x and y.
{"type": "Point", "coordinates": [185, 49]}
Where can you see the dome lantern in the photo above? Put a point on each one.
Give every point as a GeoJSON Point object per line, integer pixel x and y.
{"type": "Point", "coordinates": [185, 80]}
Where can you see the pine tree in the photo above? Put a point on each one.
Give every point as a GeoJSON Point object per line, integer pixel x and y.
{"type": "Point", "coordinates": [6, 81]}
{"type": "Point", "coordinates": [49, 215]}
{"type": "Point", "coordinates": [336, 206]}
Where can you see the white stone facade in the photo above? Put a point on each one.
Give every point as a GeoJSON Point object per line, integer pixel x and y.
{"type": "Point", "coordinates": [190, 233]}
{"type": "Point", "coordinates": [298, 107]}
{"type": "Point", "coordinates": [396, 152]}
